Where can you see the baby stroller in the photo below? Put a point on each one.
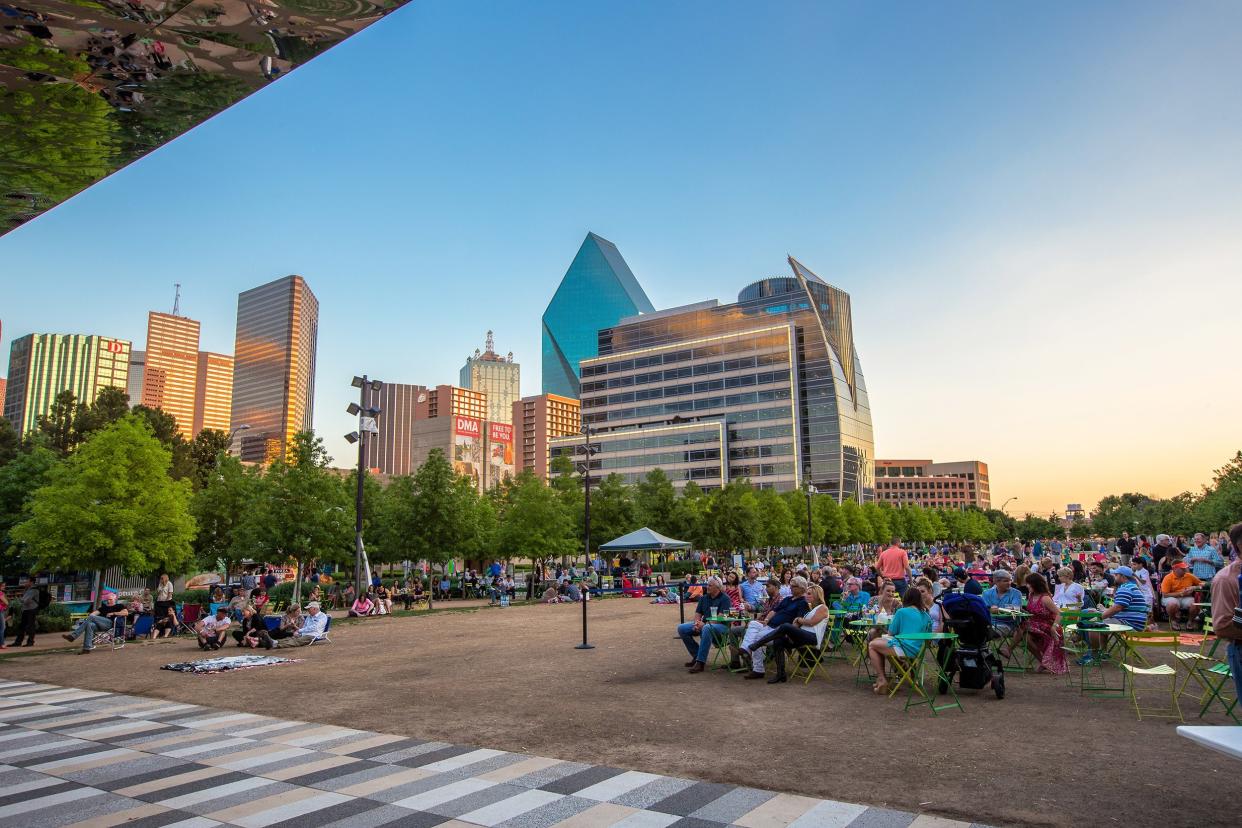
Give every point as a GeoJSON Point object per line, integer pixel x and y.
{"type": "Point", "coordinates": [973, 662]}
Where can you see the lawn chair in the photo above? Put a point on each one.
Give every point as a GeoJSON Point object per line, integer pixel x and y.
{"type": "Point", "coordinates": [189, 617]}
{"type": "Point", "coordinates": [142, 627]}
{"type": "Point", "coordinates": [113, 638]}
{"type": "Point", "coordinates": [1218, 677]}
{"type": "Point", "coordinates": [809, 657]}
{"type": "Point", "coordinates": [326, 626]}
{"type": "Point", "coordinates": [1161, 671]}
{"type": "Point", "coordinates": [1134, 641]}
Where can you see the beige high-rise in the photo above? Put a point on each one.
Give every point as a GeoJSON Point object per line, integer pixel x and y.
{"type": "Point", "coordinates": [170, 376]}
{"type": "Point", "coordinates": [213, 393]}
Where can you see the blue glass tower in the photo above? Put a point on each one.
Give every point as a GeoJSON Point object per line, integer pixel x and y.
{"type": "Point", "coordinates": [598, 290]}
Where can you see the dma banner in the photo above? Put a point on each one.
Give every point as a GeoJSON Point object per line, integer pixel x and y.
{"type": "Point", "coordinates": [468, 448]}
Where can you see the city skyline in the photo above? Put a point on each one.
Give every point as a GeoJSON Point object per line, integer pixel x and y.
{"type": "Point", "coordinates": [1028, 215]}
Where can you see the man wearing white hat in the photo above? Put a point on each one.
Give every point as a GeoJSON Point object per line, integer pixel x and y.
{"type": "Point", "coordinates": [314, 625]}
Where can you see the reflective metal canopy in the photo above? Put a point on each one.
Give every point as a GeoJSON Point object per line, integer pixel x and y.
{"type": "Point", "coordinates": [88, 86]}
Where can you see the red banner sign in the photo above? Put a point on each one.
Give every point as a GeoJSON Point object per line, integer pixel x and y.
{"type": "Point", "coordinates": [466, 426]}
{"type": "Point", "coordinates": [500, 433]}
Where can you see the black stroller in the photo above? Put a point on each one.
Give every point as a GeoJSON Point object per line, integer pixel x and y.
{"type": "Point", "coordinates": [972, 662]}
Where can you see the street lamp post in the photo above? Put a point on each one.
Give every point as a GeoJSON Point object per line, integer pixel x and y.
{"type": "Point", "coordinates": [1007, 502]}
{"type": "Point", "coordinates": [233, 436]}
{"type": "Point", "coordinates": [366, 425]}
{"type": "Point", "coordinates": [811, 490]}
{"type": "Point", "coordinates": [586, 450]}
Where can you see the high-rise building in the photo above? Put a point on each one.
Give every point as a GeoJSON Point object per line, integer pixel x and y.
{"type": "Point", "coordinates": [597, 290]}
{"type": "Point", "coordinates": [274, 366]}
{"type": "Point", "coordinates": [137, 368]}
{"type": "Point", "coordinates": [391, 450]}
{"type": "Point", "coordinates": [935, 485]}
{"type": "Point", "coordinates": [213, 392]}
{"type": "Point", "coordinates": [170, 375]}
{"type": "Point", "coordinates": [454, 420]}
{"type": "Point", "coordinates": [768, 389]}
{"type": "Point", "coordinates": [43, 365]}
{"type": "Point", "coordinates": [536, 420]}
{"type": "Point", "coordinates": [496, 376]}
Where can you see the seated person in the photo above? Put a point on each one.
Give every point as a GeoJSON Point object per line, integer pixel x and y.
{"type": "Point", "coordinates": [166, 625]}
{"type": "Point", "coordinates": [1098, 577]}
{"type": "Point", "coordinates": [445, 588]}
{"type": "Point", "coordinates": [252, 631]}
{"type": "Point", "coordinates": [314, 624]}
{"type": "Point", "coordinates": [1068, 592]}
{"type": "Point", "coordinates": [551, 595]}
{"type": "Point", "coordinates": [361, 608]}
{"type": "Point", "coordinates": [800, 631]}
{"type": "Point", "coordinates": [758, 628]}
{"type": "Point", "coordinates": [102, 619]}
{"type": "Point", "coordinates": [1177, 592]}
{"type": "Point", "coordinates": [712, 603]}
{"type": "Point", "coordinates": [1129, 607]}
{"type": "Point", "coordinates": [290, 623]}
{"type": "Point", "coordinates": [911, 618]}
{"type": "Point", "coordinates": [316, 594]}
{"type": "Point", "coordinates": [886, 602]}
{"type": "Point", "coordinates": [237, 603]}
{"type": "Point", "coordinates": [572, 591]}
{"type": "Point", "coordinates": [853, 600]}
{"type": "Point", "coordinates": [383, 600]}
{"type": "Point", "coordinates": [1002, 595]}
{"type": "Point", "coordinates": [259, 597]}
{"type": "Point", "coordinates": [213, 630]}
{"type": "Point", "coordinates": [968, 584]}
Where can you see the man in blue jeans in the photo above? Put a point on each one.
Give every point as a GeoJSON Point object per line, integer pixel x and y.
{"type": "Point", "coordinates": [101, 620]}
{"type": "Point", "coordinates": [1227, 608]}
{"type": "Point", "coordinates": [712, 603]}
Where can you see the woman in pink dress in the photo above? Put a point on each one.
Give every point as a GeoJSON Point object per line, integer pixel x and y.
{"type": "Point", "coordinates": [1043, 632]}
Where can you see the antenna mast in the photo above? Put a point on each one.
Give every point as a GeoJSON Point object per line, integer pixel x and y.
{"type": "Point", "coordinates": [177, 299]}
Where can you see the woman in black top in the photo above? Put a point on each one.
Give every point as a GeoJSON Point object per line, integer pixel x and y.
{"type": "Point", "coordinates": [253, 631]}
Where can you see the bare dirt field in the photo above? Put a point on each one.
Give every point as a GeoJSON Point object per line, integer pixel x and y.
{"type": "Point", "coordinates": [511, 679]}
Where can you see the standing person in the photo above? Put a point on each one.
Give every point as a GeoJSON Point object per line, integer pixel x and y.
{"type": "Point", "coordinates": [163, 596]}
{"type": "Point", "coordinates": [30, 608]}
{"type": "Point", "coordinates": [248, 580]}
{"type": "Point", "coordinates": [269, 579]}
{"type": "Point", "coordinates": [1227, 608]}
{"type": "Point", "coordinates": [894, 565]}
{"type": "Point", "coordinates": [1125, 546]}
{"type": "Point", "coordinates": [1203, 558]}
{"type": "Point", "coordinates": [1164, 547]}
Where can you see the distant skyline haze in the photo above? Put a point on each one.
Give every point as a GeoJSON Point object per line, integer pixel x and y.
{"type": "Point", "coordinates": [1033, 208]}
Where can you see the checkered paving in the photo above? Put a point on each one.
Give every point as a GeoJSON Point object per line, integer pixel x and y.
{"type": "Point", "coordinates": [87, 758]}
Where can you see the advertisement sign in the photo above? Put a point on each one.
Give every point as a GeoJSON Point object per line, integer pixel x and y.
{"type": "Point", "coordinates": [468, 448]}
{"type": "Point", "coordinates": [499, 453]}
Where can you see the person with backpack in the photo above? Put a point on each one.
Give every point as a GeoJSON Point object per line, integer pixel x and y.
{"type": "Point", "coordinates": [32, 600]}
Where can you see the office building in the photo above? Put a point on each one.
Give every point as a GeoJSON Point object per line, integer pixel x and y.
{"type": "Point", "coordinates": [496, 376]}
{"type": "Point", "coordinates": [934, 485]}
{"type": "Point", "coordinates": [274, 366]}
{"type": "Point", "coordinates": [170, 373]}
{"type": "Point", "coordinates": [213, 392]}
{"type": "Point", "coordinates": [137, 368]}
{"type": "Point", "coordinates": [454, 420]}
{"type": "Point", "coordinates": [536, 420]}
{"type": "Point", "coordinates": [768, 389]}
{"type": "Point", "coordinates": [597, 291]}
{"type": "Point", "coordinates": [391, 450]}
{"type": "Point", "coordinates": [41, 366]}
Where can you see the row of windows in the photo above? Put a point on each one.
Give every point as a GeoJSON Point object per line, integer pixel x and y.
{"type": "Point", "coordinates": [925, 485]}
{"type": "Point", "coordinates": [708, 473]}
{"type": "Point", "coordinates": [760, 470]}
{"type": "Point", "coordinates": [649, 442]}
{"type": "Point", "coordinates": [916, 471]}
{"type": "Point", "coordinates": [706, 404]}
{"type": "Point", "coordinates": [673, 357]}
{"type": "Point", "coordinates": [762, 433]}
{"type": "Point", "coordinates": [755, 452]}
{"type": "Point", "coordinates": [704, 369]}
{"type": "Point", "coordinates": [764, 378]}
{"type": "Point", "coordinates": [658, 460]}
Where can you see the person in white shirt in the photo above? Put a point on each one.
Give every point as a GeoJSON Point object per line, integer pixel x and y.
{"type": "Point", "coordinates": [314, 625]}
{"type": "Point", "coordinates": [1142, 579]}
{"type": "Point", "coordinates": [214, 629]}
{"type": "Point", "coordinates": [1068, 591]}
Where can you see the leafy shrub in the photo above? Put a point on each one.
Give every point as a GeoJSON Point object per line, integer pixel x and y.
{"type": "Point", "coordinates": [193, 596]}
{"type": "Point", "coordinates": [54, 619]}
{"type": "Point", "coordinates": [681, 569]}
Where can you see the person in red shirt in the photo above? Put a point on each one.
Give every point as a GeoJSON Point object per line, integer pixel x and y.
{"type": "Point", "coordinates": [894, 565]}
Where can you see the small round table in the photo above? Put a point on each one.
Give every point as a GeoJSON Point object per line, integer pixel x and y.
{"type": "Point", "coordinates": [917, 661]}
{"type": "Point", "coordinates": [1095, 658]}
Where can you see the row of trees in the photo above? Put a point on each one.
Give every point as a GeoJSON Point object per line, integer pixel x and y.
{"type": "Point", "coordinates": [1215, 507]}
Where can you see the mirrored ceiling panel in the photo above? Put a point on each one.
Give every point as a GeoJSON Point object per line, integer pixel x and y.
{"type": "Point", "coordinates": [87, 87]}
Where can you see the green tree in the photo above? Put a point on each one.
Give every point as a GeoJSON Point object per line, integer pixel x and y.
{"type": "Point", "coordinates": [61, 426]}
{"type": "Point", "coordinates": [918, 527]}
{"type": "Point", "coordinates": [206, 451]}
{"type": "Point", "coordinates": [110, 405]}
{"type": "Point", "coordinates": [1080, 528]}
{"type": "Point", "coordinates": [535, 524]}
{"type": "Point", "coordinates": [566, 484]}
{"type": "Point", "coordinates": [298, 512]}
{"type": "Point", "coordinates": [655, 502]}
{"type": "Point", "coordinates": [834, 529]}
{"type": "Point", "coordinates": [218, 508]}
{"type": "Point", "coordinates": [778, 525]}
{"type": "Point", "coordinates": [1115, 514]}
{"type": "Point", "coordinates": [1032, 527]}
{"type": "Point", "coordinates": [881, 529]}
{"type": "Point", "coordinates": [110, 504]}
{"type": "Point", "coordinates": [1221, 505]}
{"type": "Point", "coordinates": [857, 529]}
{"type": "Point", "coordinates": [936, 529]}
{"type": "Point", "coordinates": [732, 519]}
{"type": "Point", "coordinates": [10, 442]}
{"type": "Point", "coordinates": [19, 480]}
{"type": "Point", "coordinates": [612, 511]}
{"type": "Point", "coordinates": [689, 515]}
{"type": "Point", "coordinates": [436, 520]}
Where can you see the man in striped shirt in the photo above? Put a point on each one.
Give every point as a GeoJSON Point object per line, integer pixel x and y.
{"type": "Point", "coordinates": [1129, 606]}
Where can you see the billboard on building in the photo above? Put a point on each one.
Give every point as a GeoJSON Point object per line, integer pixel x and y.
{"type": "Point", "coordinates": [468, 448]}
{"type": "Point", "coordinates": [499, 453]}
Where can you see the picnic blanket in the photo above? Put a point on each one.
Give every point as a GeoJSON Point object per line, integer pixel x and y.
{"type": "Point", "coordinates": [218, 665]}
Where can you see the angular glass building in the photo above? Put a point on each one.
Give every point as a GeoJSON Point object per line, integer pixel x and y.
{"type": "Point", "coordinates": [768, 389]}
{"type": "Point", "coordinates": [598, 290]}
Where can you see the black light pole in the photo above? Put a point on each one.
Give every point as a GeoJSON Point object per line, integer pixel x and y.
{"type": "Point", "coordinates": [366, 425]}
{"type": "Point", "coordinates": [587, 450]}
{"type": "Point", "coordinates": [810, 490]}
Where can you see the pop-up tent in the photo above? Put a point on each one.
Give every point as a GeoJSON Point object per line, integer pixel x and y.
{"type": "Point", "coordinates": [643, 540]}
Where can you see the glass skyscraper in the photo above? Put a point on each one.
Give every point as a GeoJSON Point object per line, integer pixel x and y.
{"type": "Point", "coordinates": [496, 376]}
{"type": "Point", "coordinates": [274, 366]}
{"type": "Point", "coordinates": [170, 372]}
{"type": "Point", "coordinates": [768, 389]}
{"type": "Point", "coordinates": [43, 365]}
{"type": "Point", "coordinates": [598, 290]}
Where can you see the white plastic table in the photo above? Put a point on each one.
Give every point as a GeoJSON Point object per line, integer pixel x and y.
{"type": "Point", "coordinates": [1223, 738]}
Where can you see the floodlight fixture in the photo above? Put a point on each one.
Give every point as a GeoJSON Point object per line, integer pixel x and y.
{"type": "Point", "coordinates": [357, 382]}
{"type": "Point", "coordinates": [352, 437]}
{"type": "Point", "coordinates": [376, 386]}
{"type": "Point", "coordinates": [354, 409]}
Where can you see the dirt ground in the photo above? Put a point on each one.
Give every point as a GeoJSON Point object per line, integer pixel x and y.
{"type": "Point", "coordinates": [511, 679]}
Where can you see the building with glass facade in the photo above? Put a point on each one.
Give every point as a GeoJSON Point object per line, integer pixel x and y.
{"type": "Point", "coordinates": [597, 291]}
{"type": "Point", "coordinates": [953, 485]}
{"type": "Point", "coordinates": [41, 366]}
{"type": "Point", "coordinates": [536, 420]}
{"type": "Point", "coordinates": [768, 389]}
{"type": "Point", "coordinates": [213, 392]}
{"type": "Point", "coordinates": [274, 366]}
{"type": "Point", "coordinates": [170, 375]}
{"type": "Point", "coordinates": [496, 376]}
{"type": "Point", "coordinates": [390, 451]}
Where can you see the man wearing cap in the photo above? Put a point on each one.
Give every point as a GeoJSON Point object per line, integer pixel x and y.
{"type": "Point", "coordinates": [214, 629]}
{"type": "Point", "coordinates": [1178, 591]}
{"type": "Point", "coordinates": [102, 619]}
{"type": "Point", "coordinates": [1129, 606]}
{"type": "Point", "coordinates": [1002, 595]}
{"type": "Point", "coordinates": [314, 625]}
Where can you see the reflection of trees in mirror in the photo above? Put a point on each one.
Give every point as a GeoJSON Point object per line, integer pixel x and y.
{"type": "Point", "coordinates": [174, 103]}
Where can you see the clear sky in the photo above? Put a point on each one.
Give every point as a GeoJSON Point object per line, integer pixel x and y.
{"type": "Point", "coordinates": [1036, 210]}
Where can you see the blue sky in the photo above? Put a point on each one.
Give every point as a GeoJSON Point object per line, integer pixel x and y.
{"type": "Point", "coordinates": [1035, 209]}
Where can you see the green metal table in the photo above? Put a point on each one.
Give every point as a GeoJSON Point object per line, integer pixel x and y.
{"type": "Point", "coordinates": [917, 664]}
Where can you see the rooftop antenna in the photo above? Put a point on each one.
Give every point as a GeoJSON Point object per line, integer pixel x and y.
{"type": "Point", "coordinates": [177, 299]}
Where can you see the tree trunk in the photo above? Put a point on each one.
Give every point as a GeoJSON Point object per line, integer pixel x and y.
{"type": "Point", "coordinates": [297, 581]}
